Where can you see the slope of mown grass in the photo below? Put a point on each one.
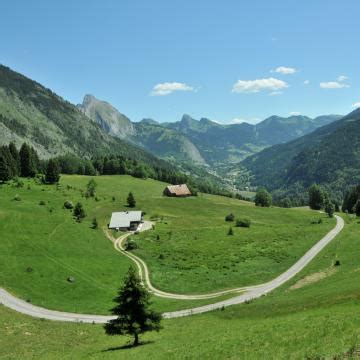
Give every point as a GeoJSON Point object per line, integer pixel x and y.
{"type": "Point", "coordinates": [318, 321]}
{"type": "Point", "coordinates": [42, 245]}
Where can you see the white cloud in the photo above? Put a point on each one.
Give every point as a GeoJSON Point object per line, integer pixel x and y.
{"type": "Point", "coordinates": [342, 78]}
{"type": "Point", "coordinates": [356, 105]}
{"type": "Point", "coordinates": [333, 85]}
{"type": "Point", "coordinates": [295, 113]}
{"type": "Point", "coordinates": [254, 86]}
{"type": "Point", "coordinates": [274, 93]}
{"type": "Point", "coordinates": [169, 87]}
{"type": "Point", "coordinates": [284, 70]}
{"type": "Point", "coordinates": [306, 82]}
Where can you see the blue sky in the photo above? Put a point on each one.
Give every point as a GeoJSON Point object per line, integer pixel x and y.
{"type": "Point", "coordinates": [225, 60]}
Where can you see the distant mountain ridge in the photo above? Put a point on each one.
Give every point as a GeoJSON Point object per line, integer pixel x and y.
{"type": "Point", "coordinates": [330, 156]}
{"type": "Point", "coordinates": [201, 141]}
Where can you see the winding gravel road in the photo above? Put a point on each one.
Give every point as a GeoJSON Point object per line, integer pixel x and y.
{"type": "Point", "coordinates": [252, 292]}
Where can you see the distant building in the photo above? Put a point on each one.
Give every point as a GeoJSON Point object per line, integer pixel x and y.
{"type": "Point", "coordinates": [177, 190]}
{"type": "Point", "coordinates": [126, 220]}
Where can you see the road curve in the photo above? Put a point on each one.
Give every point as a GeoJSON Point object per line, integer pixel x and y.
{"type": "Point", "coordinates": [254, 292]}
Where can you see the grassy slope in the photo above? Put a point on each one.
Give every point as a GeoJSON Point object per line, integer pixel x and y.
{"type": "Point", "coordinates": [56, 247]}
{"type": "Point", "coordinates": [317, 321]}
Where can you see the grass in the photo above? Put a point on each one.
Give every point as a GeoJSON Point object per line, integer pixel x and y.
{"type": "Point", "coordinates": [42, 245]}
{"type": "Point", "coordinates": [318, 321]}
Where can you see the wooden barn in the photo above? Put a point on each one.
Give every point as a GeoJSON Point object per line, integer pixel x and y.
{"type": "Point", "coordinates": [177, 190]}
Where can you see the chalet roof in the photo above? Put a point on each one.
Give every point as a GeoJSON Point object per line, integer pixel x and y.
{"type": "Point", "coordinates": [123, 219]}
{"type": "Point", "coordinates": [179, 190]}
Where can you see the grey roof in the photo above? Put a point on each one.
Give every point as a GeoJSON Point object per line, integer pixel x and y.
{"type": "Point", "coordinates": [122, 219]}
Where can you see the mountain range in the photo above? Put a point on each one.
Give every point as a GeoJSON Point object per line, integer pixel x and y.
{"type": "Point", "coordinates": [286, 155]}
{"type": "Point", "coordinates": [202, 142]}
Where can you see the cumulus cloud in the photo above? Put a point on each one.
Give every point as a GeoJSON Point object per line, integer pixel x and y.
{"type": "Point", "coordinates": [338, 84]}
{"type": "Point", "coordinates": [342, 78]}
{"type": "Point", "coordinates": [306, 82]}
{"type": "Point", "coordinates": [356, 105]}
{"type": "Point", "coordinates": [254, 86]}
{"type": "Point", "coordinates": [295, 113]}
{"type": "Point", "coordinates": [284, 70]}
{"type": "Point", "coordinates": [333, 85]}
{"type": "Point", "coordinates": [170, 87]}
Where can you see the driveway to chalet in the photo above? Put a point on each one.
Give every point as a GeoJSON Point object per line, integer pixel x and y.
{"type": "Point", "coordinates": [249, 293]}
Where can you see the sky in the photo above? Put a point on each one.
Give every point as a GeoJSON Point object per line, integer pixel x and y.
{"type": "Point", "coordinates": [229, 61]}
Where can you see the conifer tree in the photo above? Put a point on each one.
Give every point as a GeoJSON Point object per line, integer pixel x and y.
{"type": "Point", "coordinates": [4, 170]}
{"type": "Point", "coordinates": [27, 161]}
{"type": "Point", "coordinates": [132, 310]}
{"type": "Point", "coordinates": [52, 175]}
{"type": "Point", "coordinates": [131, 200]}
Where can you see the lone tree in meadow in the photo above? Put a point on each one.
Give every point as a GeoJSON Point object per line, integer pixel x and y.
{"type": "Point", "coordinates": [263, 198]}
{"type": "Point", "coordinates": [132, 310]}
{"type": "Point", "coordinates": [91, 188]}
{"type": "Point", "coordinates": [131, 200]}
{"type": "Point", "coordinates": [79, 212]}
{"type": "Point", "coordinates": [52, 175]}
{"type": "Point", "coordinates": [316, 197]}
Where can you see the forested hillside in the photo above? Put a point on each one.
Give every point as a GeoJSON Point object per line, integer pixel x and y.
{"type": "Point", "coordinates": [329, 156]}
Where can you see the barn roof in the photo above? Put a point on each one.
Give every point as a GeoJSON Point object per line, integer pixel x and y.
{"type": "Point", "coordinates": [179, 190]}
{"type": "Point", "coordinates": [122, 219]}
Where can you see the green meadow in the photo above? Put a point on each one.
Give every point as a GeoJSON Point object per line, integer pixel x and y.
{"type": "Point", "coordinates": [188, 251]}
{"type": "Point", "coordinates": [311, 317]}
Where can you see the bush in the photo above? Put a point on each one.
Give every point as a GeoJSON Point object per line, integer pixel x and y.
{"type": "Point", "coordinates": [68, 205]}
{"type": "Point", "coordinates": [17, 197]}
{"type": "Point", "coordinates": [18, 183]}
{"type": "Point", "coordinates": [230, 232]}
{"type": "Point", "coordinates": [245, 222]}
{"type": "Point", "coordinates": [42, 202]}
{"type": "Point", "coordinates": [130, 244]}
{"type": "Point", "coordinates": [230, 217]}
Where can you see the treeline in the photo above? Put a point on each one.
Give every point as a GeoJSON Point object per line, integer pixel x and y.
{"type": "Point", "coordinates": [351, 202]}
{"type": "Point", "coordinates": [26, 163]}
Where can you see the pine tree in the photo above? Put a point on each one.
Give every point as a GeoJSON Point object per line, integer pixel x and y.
{"type": "Point", "coordinates": [79, 211]}
{"type": "Point", "coordinates": [316, 197]}
{"type": "Point", "coordinates": [131, 200]}
{"type": "Point", "coordinates": [15, 155]}
{"type": "Point", "coordinates": [27, 161]}
{"type": "Point", "coordinates": [132, 310]}
{"type": "Point", "coordinates": [94, 223]}
{"type": "Point", "coordinates": [357, 208]}
{"type": "Point", "coordinates": [52, 175]}
{"type": "Point", "coordinates": [5, 174]}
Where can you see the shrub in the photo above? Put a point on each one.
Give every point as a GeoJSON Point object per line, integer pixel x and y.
{"type": "Point", "coordinates": [42, 202]}
{"type": "Point", "coordinates": [130, 244]}
{"type": "Point", "coordinates": [245, 222]}
{"type": "Point", "coordinates": [68, 205]}
{"type": "Point", "coordinates": [230, 217]}
{"type": "Point", "coordinates": [17, 197]}
{"type": "Point", "coordinates": [337, 263]}
{"type": "Point", "coordinates": [18, 183]}
{"type": "Point", "coordinates": [230, 232]}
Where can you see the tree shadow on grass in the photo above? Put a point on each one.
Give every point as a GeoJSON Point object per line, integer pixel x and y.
{"type": "Point", "coordinates": [127, 346]}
